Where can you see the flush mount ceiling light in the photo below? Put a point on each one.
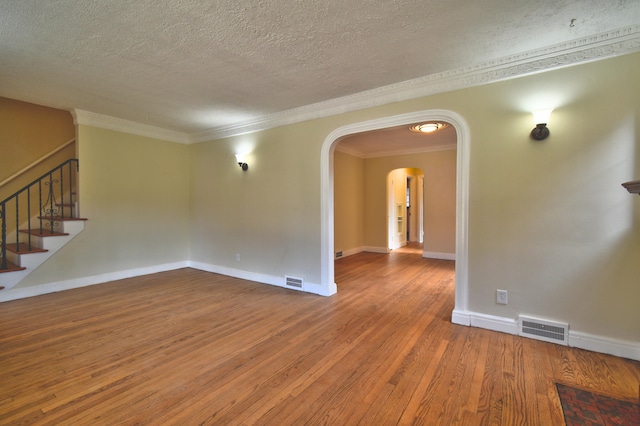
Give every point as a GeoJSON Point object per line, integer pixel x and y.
{"type": "Point", "coordinates": [427, 127]}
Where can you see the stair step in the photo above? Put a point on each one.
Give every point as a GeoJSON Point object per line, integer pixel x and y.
{"type": "Point", "coordinates": [43, 233]}
{"type": "Point", "coordinates": [23, 248]}
{"type": "Point", "coordinates": [11, 268]}
{"type": "Point", "coordinates": [60, 218]}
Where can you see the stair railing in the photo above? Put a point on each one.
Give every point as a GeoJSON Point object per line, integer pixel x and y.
{"type": "Point", "coordinates": [54, 195]}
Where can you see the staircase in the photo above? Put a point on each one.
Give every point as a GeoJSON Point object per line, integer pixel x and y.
{"type": "Point", "coordinates": [37, 221]}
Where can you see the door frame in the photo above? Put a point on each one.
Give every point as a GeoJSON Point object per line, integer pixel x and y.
{"type": "Point", "coordinates": [460, 314]}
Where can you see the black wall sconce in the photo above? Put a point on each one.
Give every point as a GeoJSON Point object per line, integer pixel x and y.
{"type": "Point", "coordinates": [541, 131]}
{"type": "Point", "coordinates": [241, 162]}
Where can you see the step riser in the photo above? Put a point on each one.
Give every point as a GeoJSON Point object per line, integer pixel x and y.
{"type": "Point", "coordinates": [32, 260]}
{"type": "Point", "coordinates": [13, 258]}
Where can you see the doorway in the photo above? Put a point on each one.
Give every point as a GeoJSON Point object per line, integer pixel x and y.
{"type": "Point", "coordinates": [460, 314]}
{"type": "Point", "coordinates": [405, 201]}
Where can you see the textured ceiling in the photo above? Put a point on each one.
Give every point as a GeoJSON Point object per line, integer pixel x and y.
{"type": "Point", "coordinates": [397, 140]}
{"type": "Point", "coordinates": [196, 65]}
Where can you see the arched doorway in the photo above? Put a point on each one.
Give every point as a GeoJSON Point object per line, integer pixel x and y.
{"type": "Point", "coordinates": [460, 315]}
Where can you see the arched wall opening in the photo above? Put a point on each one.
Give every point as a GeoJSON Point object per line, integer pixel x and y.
{"type": "Point", "coordinates": [459, 315]}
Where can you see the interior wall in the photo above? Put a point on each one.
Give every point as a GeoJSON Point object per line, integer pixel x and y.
{"type": "Point", "coordinates": [414, 211]}
{"type": "Point", "coordinates": [264, 220]}
{"type": "Point", "coordinates": [439, 168]}
{"type": "Point", "coordinates": [348, 203]}
{"type": "Point", "coordinates": [548, 221]}
{"type": "Point", "coordinates": [134, 193]}
{"type": "Point", "coordinates": [27, 133]}
{"type": "Point", "coordinates": [362, 225]}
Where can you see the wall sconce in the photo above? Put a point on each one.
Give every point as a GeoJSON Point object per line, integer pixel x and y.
{"type": "Point", "coordinates": [541, 118]}
{"type": "Point", "coordinates": [240, 159]}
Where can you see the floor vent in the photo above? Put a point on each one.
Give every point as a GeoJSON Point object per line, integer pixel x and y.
{"type": "Point", "coordinates": [294, 282]}
{"type": "Point", "coordinates": [549, 331]}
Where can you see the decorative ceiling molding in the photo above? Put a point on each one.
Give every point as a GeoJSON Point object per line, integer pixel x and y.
{"type": "Point", "coordinates": [601, 46]}
{"type": "Point", "coordinates": [120, 125]}
{"type": "Point", "coordinates": [588, 49]}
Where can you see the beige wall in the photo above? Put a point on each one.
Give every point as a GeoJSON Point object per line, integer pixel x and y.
{"type": "Point", "coordinates": [439, 169]}
{"type": "Point", "coordinates": [548, 221]}
{"type": "Point", "coordinates": [27, 133]}
{"type": "Point", "coordinates": [134, 192]}
{"type": "Point", "coordinates": [269, 215]}
{"type": "Point", "coordinates": [361, 207]}
{"type": "Point", "coordinates": [348, 202]}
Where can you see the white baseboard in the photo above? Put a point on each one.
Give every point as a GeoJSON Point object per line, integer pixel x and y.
{"type": "Point", "coordinates": [308, 287]}
{"type": "Point", "coordinates": [440, 256]}
{"type": "Point", "coordinates": [577, 339]}
{"type": "Point", "coordinates": [351, 252]}
{"type": "Point", "coordinates": [372, 249]}
{"type": "Point", "coordinates": [590, 342]}
{"type": "Point", "coordinates": [461, 317]}
{"type": "Point", "coordinates": [495, 323]}
{"type": "Point", "coordinates": [38, 290]}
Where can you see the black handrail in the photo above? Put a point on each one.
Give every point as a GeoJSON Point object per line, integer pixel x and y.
{"type": "Point", "coordinates": [48, 208]}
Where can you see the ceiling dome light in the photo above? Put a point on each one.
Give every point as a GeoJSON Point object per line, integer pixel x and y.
{"type": "Point", "coordinates": [427, 127]}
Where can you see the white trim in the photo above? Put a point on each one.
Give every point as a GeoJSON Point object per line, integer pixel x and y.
{"type": "Point", "coordinates": [617, 347]}
{"type": "Point", "coordinates": [493, 322]}
{"type": "Point", "coordinates": [350, 252]}
{"type": "Point", "coordinates": [261, 278]}
{"type": "Point", "coordinates": [441, 256]}
{"type": "Point", "coordinates": [614, 43]}
{"type": "Point", "coordinates": [38, 290]}
{"type": "Point", "coordinates": [461, 317]}
{"type": "Point", "coordinates": [101, 121]}
{"type": "Point", "coordinates": [606, 45]}
{"type": "Point", "coordinates": [327, 270]}
{"type": "Point", "coordinates": [372, 249]}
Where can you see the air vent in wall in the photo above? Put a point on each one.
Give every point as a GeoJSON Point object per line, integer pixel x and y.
{"type": "Point", "coordinates": [294, 282]}
{"type": "Point", "coordinates": [549, 331]}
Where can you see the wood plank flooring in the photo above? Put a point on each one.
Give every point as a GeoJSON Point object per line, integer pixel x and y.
{"type": "Point", "coordinates": [188, 347]}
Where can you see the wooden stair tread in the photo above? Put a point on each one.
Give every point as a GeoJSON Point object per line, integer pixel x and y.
{"type": "Point", "coordinates": [23, 248]}
{"type": "Point", "coordinates": [11, 267]}
{"type": "Point", "coordinates": [43, 233]}
{"type": "Point", "coordinates": [61, 218]}
{"type": "Point", "coordinates": [633, 187]}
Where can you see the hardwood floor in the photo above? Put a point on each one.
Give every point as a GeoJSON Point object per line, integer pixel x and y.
{"type": "Point", "coordinates": [188, 347]}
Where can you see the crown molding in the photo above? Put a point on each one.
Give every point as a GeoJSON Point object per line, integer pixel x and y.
{"type": "Point", "coordinates": [120, 125]}
{"type": "Point", "coordinates": [587, 49]}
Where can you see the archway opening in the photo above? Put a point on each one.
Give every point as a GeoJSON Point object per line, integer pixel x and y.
{"type": "Point", "coordinates": [460, 315]}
